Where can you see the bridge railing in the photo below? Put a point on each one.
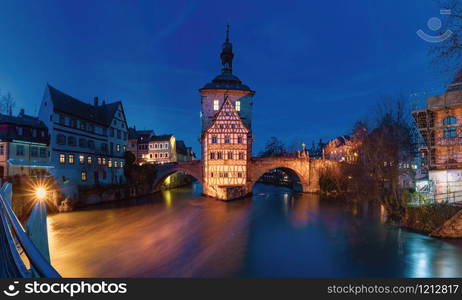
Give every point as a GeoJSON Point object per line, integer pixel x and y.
{"type": "Point", "coordinates": [20, 245]}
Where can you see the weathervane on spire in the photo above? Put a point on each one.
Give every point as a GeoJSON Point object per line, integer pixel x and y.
{"type": "Point", "coordinates": [227, 32]}
{"type": "Point", "coordinates": [227, 54]}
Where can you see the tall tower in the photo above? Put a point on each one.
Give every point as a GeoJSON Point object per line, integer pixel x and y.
{"type": "Point", "coordinates": [226, 115]}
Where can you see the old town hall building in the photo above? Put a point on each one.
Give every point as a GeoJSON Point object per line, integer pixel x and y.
{"type": "Point", "coordinates": [226, 115]}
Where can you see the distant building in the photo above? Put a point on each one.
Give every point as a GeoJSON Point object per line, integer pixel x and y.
{"type": "Point", "coordinates": [23, 146]}
{"type": "Point", "coordinates": [138, 142]}
{"type": "Point", "coordinates": [157, 149]}
{"type": "Point", "coordinates": [184, 153]}
{"type": "Point", "coordinates": [88, 141]}
{"type": "Point", "coordinates": [440, 124]}
{"type": "Point", "coordinates": [342, 149]}
{"type": "Point", "coordinates": [162, 149]}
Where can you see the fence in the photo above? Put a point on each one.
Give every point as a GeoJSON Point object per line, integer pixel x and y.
{"type": "Point", "coordinates": [19, 256]}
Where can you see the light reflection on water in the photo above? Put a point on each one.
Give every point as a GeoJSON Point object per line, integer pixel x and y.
{"type": "Point", "coordinates": [275, 234]}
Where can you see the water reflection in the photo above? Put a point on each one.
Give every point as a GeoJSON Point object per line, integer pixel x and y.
{"type": "Point", "coordinates": [275, 233]}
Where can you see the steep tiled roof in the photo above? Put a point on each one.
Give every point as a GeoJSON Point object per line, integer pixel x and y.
{"type": "Point", "coordinates": [164, 137]}
{"type": "Point", "coordinates": [102, 114]}
{"type": "Point", "coordinates": [23, 120]}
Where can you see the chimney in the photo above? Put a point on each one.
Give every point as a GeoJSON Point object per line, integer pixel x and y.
{"type": "Point", "coordinates": [95, 101]}
{"type": "Point", "coordinates": [21, 112]}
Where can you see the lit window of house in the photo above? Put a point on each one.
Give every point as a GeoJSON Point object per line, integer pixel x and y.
{"type": "Point", "coordinates": [83, 176]}
{"type": "Point", "coordinates": [104, 161]}
{"type": "Point", "coordinates": [99, 160]}
{"type": "Point", "coordinates": [116, 164]}
{"type": "Point", "coordinates": [62, 158]}
{"type": "Point", "coordinates": [81, 159]}
{"type": "Point", "coordinates": [70, 158]}
{"type": "Point", "coordinates": [20, 150]}
{"type": "Point", "coordinates": [449, 120]}
{"type": "Point", "coordinates": [89, 159]}
{"type": "Point", "coordinates": [450, 133]}
{"type": "Point", "coordinates": [121, 164]}
{"type": "Point", "coordinates": [216, 104]}
{"type": "Point", "coordinates": [118, 147]}
{"type": "Point", "coordinates": [109, 163]}
{"type": "Point", "coordinates": [238, 105]}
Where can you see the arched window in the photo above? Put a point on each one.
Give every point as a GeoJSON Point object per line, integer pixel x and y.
{"type": "Point", "coordinates": [451, 120]}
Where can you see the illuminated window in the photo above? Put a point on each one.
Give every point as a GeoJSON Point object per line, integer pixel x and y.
{"type": "Point", "coordinates": [121, 164]}
{"type": "Point", "coordinates": [62, 158]}
{"type": "Point", "coordinates": [71, 158]}
{"type": "Point", "coordinates": [104, 160]}
{"type": "Point", "coordinates": [83, 176]}
{"type": "Point", "coordinates": [116, 164]}
{"type": "Point", "coordinates": [238, 105]}
{"type": "Point", "coordinates": [109, 163]}
{"type": "Point", "coordinates": [216, 103]}
{"type": "Point", "coordinates": [450, 133]}
{"type": "Point", "coordinates": [118, 147]}
{"type": "Point", "coordinates": [81, 159]}
{"type": "Point", "coordinates": [89, 159]}
{"type": "Point", "coordinates": [449, 120]}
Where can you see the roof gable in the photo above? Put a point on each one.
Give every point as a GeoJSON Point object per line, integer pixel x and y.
{"type": "Point", "coordinates": [102, 114]}
{"type": "Point", "coordinates": [227, 120]}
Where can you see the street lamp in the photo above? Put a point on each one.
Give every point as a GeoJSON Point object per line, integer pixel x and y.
{"type": "Point", "coordinates": [40, 193]}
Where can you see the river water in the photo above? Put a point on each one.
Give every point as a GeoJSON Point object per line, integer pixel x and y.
{"type": "Point", "coordinates": [275, 233]}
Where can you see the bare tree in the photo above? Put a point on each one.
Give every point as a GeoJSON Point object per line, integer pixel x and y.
{"type": "Point", "coordinates": [447, 54]}
{"type": "Point", "coordinates": [7, 104]}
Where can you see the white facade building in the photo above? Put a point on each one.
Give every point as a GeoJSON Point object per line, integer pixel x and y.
{"type": "Point", "coordinates": [87, 141]}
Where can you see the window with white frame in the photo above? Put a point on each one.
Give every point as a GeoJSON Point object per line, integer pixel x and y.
{"type": "Point", "coordinates": [216, 104]}
{"type": "Point", "coordinates": [238, 105]}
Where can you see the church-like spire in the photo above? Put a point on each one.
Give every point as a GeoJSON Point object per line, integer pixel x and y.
{"type": "Point", "coordinates": [227, 54]}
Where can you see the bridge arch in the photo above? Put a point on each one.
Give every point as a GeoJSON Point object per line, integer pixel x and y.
{"type": "Point", "coordinates": [296, 177]}
{"type": "Point", "coordinates": [294, 167]}
{"type": "Point", "coordinates": [193, 169]}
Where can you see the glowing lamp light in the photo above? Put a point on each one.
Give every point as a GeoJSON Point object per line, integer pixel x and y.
{"type": "Point", "coordinates": [40, 193]}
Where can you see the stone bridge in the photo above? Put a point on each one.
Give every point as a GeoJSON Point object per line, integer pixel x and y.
{"type": "Point", "coordinates": [307, 170]}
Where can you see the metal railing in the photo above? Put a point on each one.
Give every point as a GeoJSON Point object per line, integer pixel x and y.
{"type": "Point", "coordinates": [18, 238]}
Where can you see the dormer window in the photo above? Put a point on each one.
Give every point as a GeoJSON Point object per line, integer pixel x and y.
{"type": "Point", "coordinates": [216, 104]}
{"type": "Point", "coordinates": [238, 105]}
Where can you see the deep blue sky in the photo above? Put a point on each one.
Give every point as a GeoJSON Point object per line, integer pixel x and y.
{"type": "Point", "coordinates": [317, 66]}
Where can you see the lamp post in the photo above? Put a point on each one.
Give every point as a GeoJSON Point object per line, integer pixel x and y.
{"type": "Point", "coordinates": [37, 222]}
